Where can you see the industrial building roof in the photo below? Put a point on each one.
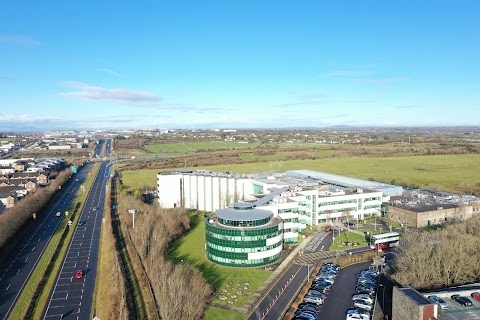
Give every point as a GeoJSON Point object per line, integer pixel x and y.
{"type": "Point", "coordinates": [348, 182]}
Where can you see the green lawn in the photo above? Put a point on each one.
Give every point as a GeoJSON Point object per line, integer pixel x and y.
{"type": "Point", "coordinates": [137, 179]}
{"type": "Point", "coordinates": [213, 313]}
{"type": "Point", "coordinates": [190, 147]}
{"type": "Point", "coordinates": [450, 172]}
{"type": "Point", "coordinates": [191, 249]}
{"type": "Point", "coordinates": [347, 236]}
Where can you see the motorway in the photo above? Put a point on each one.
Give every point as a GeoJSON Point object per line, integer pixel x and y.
{"type": "Point", "coordinates": [15, 269]}
{"type": "Point", "coordinates": [72, 298]}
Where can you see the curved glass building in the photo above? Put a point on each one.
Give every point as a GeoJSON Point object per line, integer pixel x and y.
{"type": "Point", "coordinates": [244, 236]}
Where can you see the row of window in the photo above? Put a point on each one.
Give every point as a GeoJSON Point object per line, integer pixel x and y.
{"type": "Point", "coordinates": [243, 263]}
{"type": "Point", "coordinates": [272, 231]}
{"type": "Point", "coordinates": [337, 202]}
{"type": "Point", "coordinates": [289, 210]}
{"type": "Point", "coordinates": [250, 223]}
{"type": "Point", "coordinates": [213, 236]}
{"type": "Point", "coordinates": [236, 249]}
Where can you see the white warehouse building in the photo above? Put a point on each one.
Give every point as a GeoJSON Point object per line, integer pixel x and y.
{"type": "Point", "coordinates": [298, 200]}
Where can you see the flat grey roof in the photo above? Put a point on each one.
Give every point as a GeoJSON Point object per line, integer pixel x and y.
{"type": "Point", "coordinates": [416, 296]}
{"type": "Point", "coordinates": [347, 181]}
{"type": "Point", "coordinates": [243, 215]}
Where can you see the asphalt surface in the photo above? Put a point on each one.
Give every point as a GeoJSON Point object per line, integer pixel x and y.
{"type": "Point", "coordinates": [16, 269]}
{"type": "Point", "coordinates": [280, 294]}
{"type": "Point", "coordinates": [72, 298]}
{"type": "Point", "coordinates": [98, 149]}
{"type": "Point", "coordinates": [339, 297]}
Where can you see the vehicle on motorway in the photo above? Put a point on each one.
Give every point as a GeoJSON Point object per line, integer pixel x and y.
{"type": "Point", "coordinates": [316, 300]}
{"type": "Point", "coordinates": [349, 224]}
{"type": "Point", "coordinates": [441, 303]}
{"type": "Point", "coordinates": [94, 208]}
{"type": "Point", "coordinates": [76, 180]}
{"type": "Point", "coordinates": [463, 301]}
{"type": "Point", "coordinates": [364, 297]}
{"type": "Point", "coordinates": [384, 240]}
{"type": "Point", "coordinates": [79, 274]}
{"type": "Point", "coordinates": [362, 304]}
{"type": "Point", "coordinates": [58, 214]}
{"type": "Point", "coordinates": [476, 296]}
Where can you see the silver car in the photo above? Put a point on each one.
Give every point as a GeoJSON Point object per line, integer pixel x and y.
{"type": "Point", "coordinates": [441, 303]}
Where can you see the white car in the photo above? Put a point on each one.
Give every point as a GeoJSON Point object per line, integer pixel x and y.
{"type": "Point", "coordinates": [357, 316]}
{"type": "Point", "coordinates": [364, 297]}
{"type": "Point", "coordinates": [362, 304]}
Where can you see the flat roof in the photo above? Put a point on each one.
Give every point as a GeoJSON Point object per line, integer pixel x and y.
{"type": "Point", "coordinates": [243, 215]}
{"type": "Point", "coordinates": [415, 296]}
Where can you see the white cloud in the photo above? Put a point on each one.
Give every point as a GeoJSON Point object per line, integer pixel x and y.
{"type": "Point", "coordinates": [19, 40]}
{"type": "Point", "coordinates": [110, 72]}
{"type": "Point", "coordinates": [125, 95]}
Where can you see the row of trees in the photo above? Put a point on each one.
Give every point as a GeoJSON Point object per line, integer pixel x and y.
{"type": "Point", "coordinates": [14, 219]}
{"type": "Point", "coordinates": [441, 258]}
{"type": "Point", "coordinates": [180, 290]}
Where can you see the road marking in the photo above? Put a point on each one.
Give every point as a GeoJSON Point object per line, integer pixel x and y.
{"type": "Point", "coordinates": [321, 248]}
{"type": "Point", "coordinates": [33, 248]}
{"type": "Point", "coordinates": [66, 297]}
{"type": "Point", "coordinates": [18, 271]}
{"type": "Point", "coordinates": [8, 286]}
{"type": "Point", "coordinates": [39, 240]}
{"type": "Point", "coordinates": [26, 259]}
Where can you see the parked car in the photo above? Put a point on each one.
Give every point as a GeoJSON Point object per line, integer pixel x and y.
{"type": "Point", "coordinates": [317, 293]}
{"type": "Point", "coordinates": [331, 264]}
{"type": "Point", "coordinates": [305, 317]}
{"type": "Point", "coordinates": [441, 303]}
{"type": "Point", "coordinates": [364, 297]}
{"type": "Point", "coordinates": [308, 305]}
{"type": "Point", "coordinates": [79, 274]}
{"type": "Point", "coordinates": [464, 301]}
{"type": "Point", "coordinates": [315, 300]}
{"type": "Point", "coordinates": [306, 313]}
{"type": "Point", "coordinates": [362, 304]}
{"type": "Point", "coordinates": [309, 308]}
{"type": "Point", "coordinates": [476, 296]}
{"type": "Point", "coordinates": [358, 310]}
{"type": "Point", "coordinates": [363, 290]}
{"type": "Point", "coordinates": [357, 316]}
{"type": "Point", "coordinates": [349, 224]}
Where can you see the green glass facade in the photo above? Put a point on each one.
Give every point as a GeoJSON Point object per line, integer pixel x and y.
{"type": "Point", "coordinates": [229, 246]}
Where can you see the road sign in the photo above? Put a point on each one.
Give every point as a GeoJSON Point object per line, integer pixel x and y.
{"type": "Point", "coordinates": [66, 213]}
{"type": "Point", "coordinates": [74, 169]}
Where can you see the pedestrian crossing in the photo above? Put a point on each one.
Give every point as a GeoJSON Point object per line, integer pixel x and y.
{"type": "Point", "coordinates": [315, 257]}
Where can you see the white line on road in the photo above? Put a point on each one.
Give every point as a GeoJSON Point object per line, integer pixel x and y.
{"type": "Point", "coordinates": [39, 239]}
{"type": "Point", "coordinates": [8, 286]}
{"type": "Point", "coordinates": [26, 259]}
{"type": "Point", "coordinates": [66, 297]}
{"type": "Point", "coordinates": [18, 271]}
{"type": "Point", "coordinates": [33, 248]}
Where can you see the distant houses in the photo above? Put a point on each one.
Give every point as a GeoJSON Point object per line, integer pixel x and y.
{"type": "Point", "coordinates": [19, 177]}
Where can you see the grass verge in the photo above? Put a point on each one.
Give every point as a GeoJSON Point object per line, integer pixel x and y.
{"type": "Point", "coordinates": [38, 287]}
{"type": "Point", "coordinates": [191, 250]}
{"type": "Point", "coordinates": [342, 240]}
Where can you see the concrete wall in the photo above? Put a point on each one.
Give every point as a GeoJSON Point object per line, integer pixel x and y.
{"type": "Point", "coordinates": [421, 219]}
{"type": "Point", "coordinates": [404, 308]}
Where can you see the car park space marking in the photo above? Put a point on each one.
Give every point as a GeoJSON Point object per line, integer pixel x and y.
{"type": "Point", "coordinates": [8, 287]}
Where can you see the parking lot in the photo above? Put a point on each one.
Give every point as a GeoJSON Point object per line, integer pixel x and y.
{"type": "Point", "coordinates": [457, 312]}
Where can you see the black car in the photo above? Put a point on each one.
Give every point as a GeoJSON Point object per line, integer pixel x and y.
{"type": "Point", "coordinates": [332, 265]}
{"type": "Point", "coordinates": [308, 305]}
{"type": "Point", "coordinates": [349, 224]}
{"type": "Point", "coordinates": [464, 301]}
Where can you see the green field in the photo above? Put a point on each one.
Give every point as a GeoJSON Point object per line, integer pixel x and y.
{"type": "Point", "coordinates": [454, 173]}
{"type": "Point", "coordinates": [191, 250]}
{"type": "Point", "coordinates": [189, 147]}
{"type": "Point", "coordinates": [213, 313]}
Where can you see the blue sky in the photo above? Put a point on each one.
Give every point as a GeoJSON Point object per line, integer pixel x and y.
{"type": "Point", "coordinates": [238, 64]}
